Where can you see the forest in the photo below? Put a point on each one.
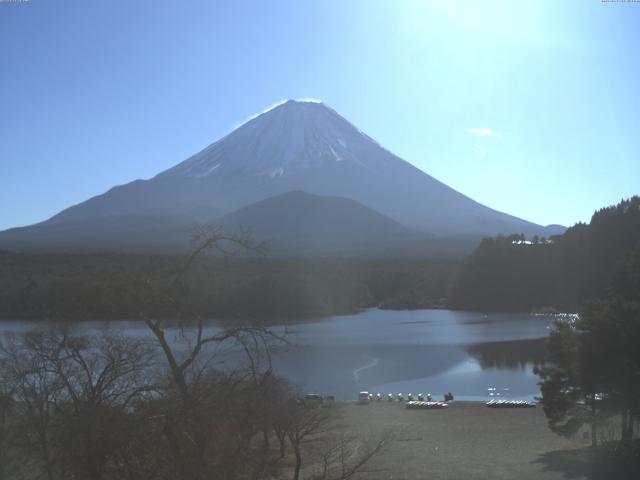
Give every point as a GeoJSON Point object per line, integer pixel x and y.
{"type": "Point", "coordinates": [504, 273]}
{"type": "Point", "coordinates": [113, 286]}
{"type": "Point", "coordinates": [511, 273]}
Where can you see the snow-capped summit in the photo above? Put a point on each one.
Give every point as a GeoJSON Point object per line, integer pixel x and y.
{"type": "Point", "coordinates": [303, 146]}
{"type": "Point", "coordinates": [291, 136]}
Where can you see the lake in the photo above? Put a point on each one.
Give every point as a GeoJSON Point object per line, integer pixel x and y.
{"type": "Point", "coordinates": [474, 355]}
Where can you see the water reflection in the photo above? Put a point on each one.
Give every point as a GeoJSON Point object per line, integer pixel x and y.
{"type": "Point", "coordinates": [514, 354]}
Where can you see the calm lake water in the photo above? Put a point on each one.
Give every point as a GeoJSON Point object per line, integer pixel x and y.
{"type": "Point", "coordinates": [476, 356]}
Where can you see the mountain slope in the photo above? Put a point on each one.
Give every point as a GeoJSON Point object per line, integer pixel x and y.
{"type": "Point", "coordinates": [299, 146]}
{"type": "Point", "coordinates": [109, 233]}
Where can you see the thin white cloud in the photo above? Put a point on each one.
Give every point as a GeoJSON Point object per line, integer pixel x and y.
{"type": "Point", "coordinates": [479, 151]}
{"type": "Point", "coordinates": [277, 104]}
{"type": "Point", "coordinates": [309, 99]}
{"type": "Point", "coordinates": [484, 132]}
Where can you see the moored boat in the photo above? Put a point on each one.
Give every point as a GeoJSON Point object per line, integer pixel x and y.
{"type": "Point", "coordinates": [418, 405]}
{"type": "Point", "coordinates": [510, 404]}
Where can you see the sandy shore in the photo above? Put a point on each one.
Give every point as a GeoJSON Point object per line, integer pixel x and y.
{"type": "Point", "coordinates": [465, 441]}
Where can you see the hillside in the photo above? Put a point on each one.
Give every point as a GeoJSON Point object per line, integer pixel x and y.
{"type": "Point", "coordinates": [505, 274]}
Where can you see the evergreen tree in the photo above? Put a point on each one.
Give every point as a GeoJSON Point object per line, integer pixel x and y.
{"type": "Point", "coordinates": [594, 370]}
{"type": "Point", "coordinates": [568, 395]}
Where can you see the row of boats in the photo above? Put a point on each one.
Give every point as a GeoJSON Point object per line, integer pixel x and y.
{"type": "Point", "coordinates": [426, 401]}
{"type": "Point", "coordinates": [366, 397]}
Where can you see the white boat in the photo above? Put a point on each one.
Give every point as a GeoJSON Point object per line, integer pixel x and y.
{"type": "Point", "coordinates": [363, 398]}
{"type": "Point", "coordinates": [510, 404]}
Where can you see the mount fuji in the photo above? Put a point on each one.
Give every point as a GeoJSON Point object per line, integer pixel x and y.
{"type": "Point", "coordinates": [296, 146]}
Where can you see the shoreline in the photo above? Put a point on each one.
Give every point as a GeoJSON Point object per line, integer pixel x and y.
{"type": "Point", "coordinates": [291, 319]}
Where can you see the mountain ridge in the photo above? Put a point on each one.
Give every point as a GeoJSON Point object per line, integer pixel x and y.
{"type": "Point", "coordinates": [300, 146]}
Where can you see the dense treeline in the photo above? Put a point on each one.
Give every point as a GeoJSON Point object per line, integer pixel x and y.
{"type": "Point", "coordinates": [511, 274]}
{"type": "Point", "coordinates": [113, 286]}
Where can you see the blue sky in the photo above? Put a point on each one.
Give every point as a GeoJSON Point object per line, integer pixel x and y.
{"type": "Point", "coordinates": [528, 107]}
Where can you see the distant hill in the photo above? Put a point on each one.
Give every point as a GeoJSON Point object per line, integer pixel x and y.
{"type": "Point", "coordinates": [316, 223]}
{"type": "Point", "coordinates": [296, 146]}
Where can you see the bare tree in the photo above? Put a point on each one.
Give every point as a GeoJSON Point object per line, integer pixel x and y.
{"type": "Point", "coordinates": [205, 238]}
{"type": "Point", "coordinates": [35, 391]}
{"type": "Point", "coordinates": [347, 454]}
{"type": "Point", "coordinates": [194, 393]}
{"type": "Point", "coordinates": [74, 395]}
{"type": "Point", "coordinates": [305, 425]}
{"type": "Point", "coordinates": [197, 402]}
{"type": "Point", "coordinates": [7, 406]}
{"type": "Point", "coordinates": [331, 453]}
